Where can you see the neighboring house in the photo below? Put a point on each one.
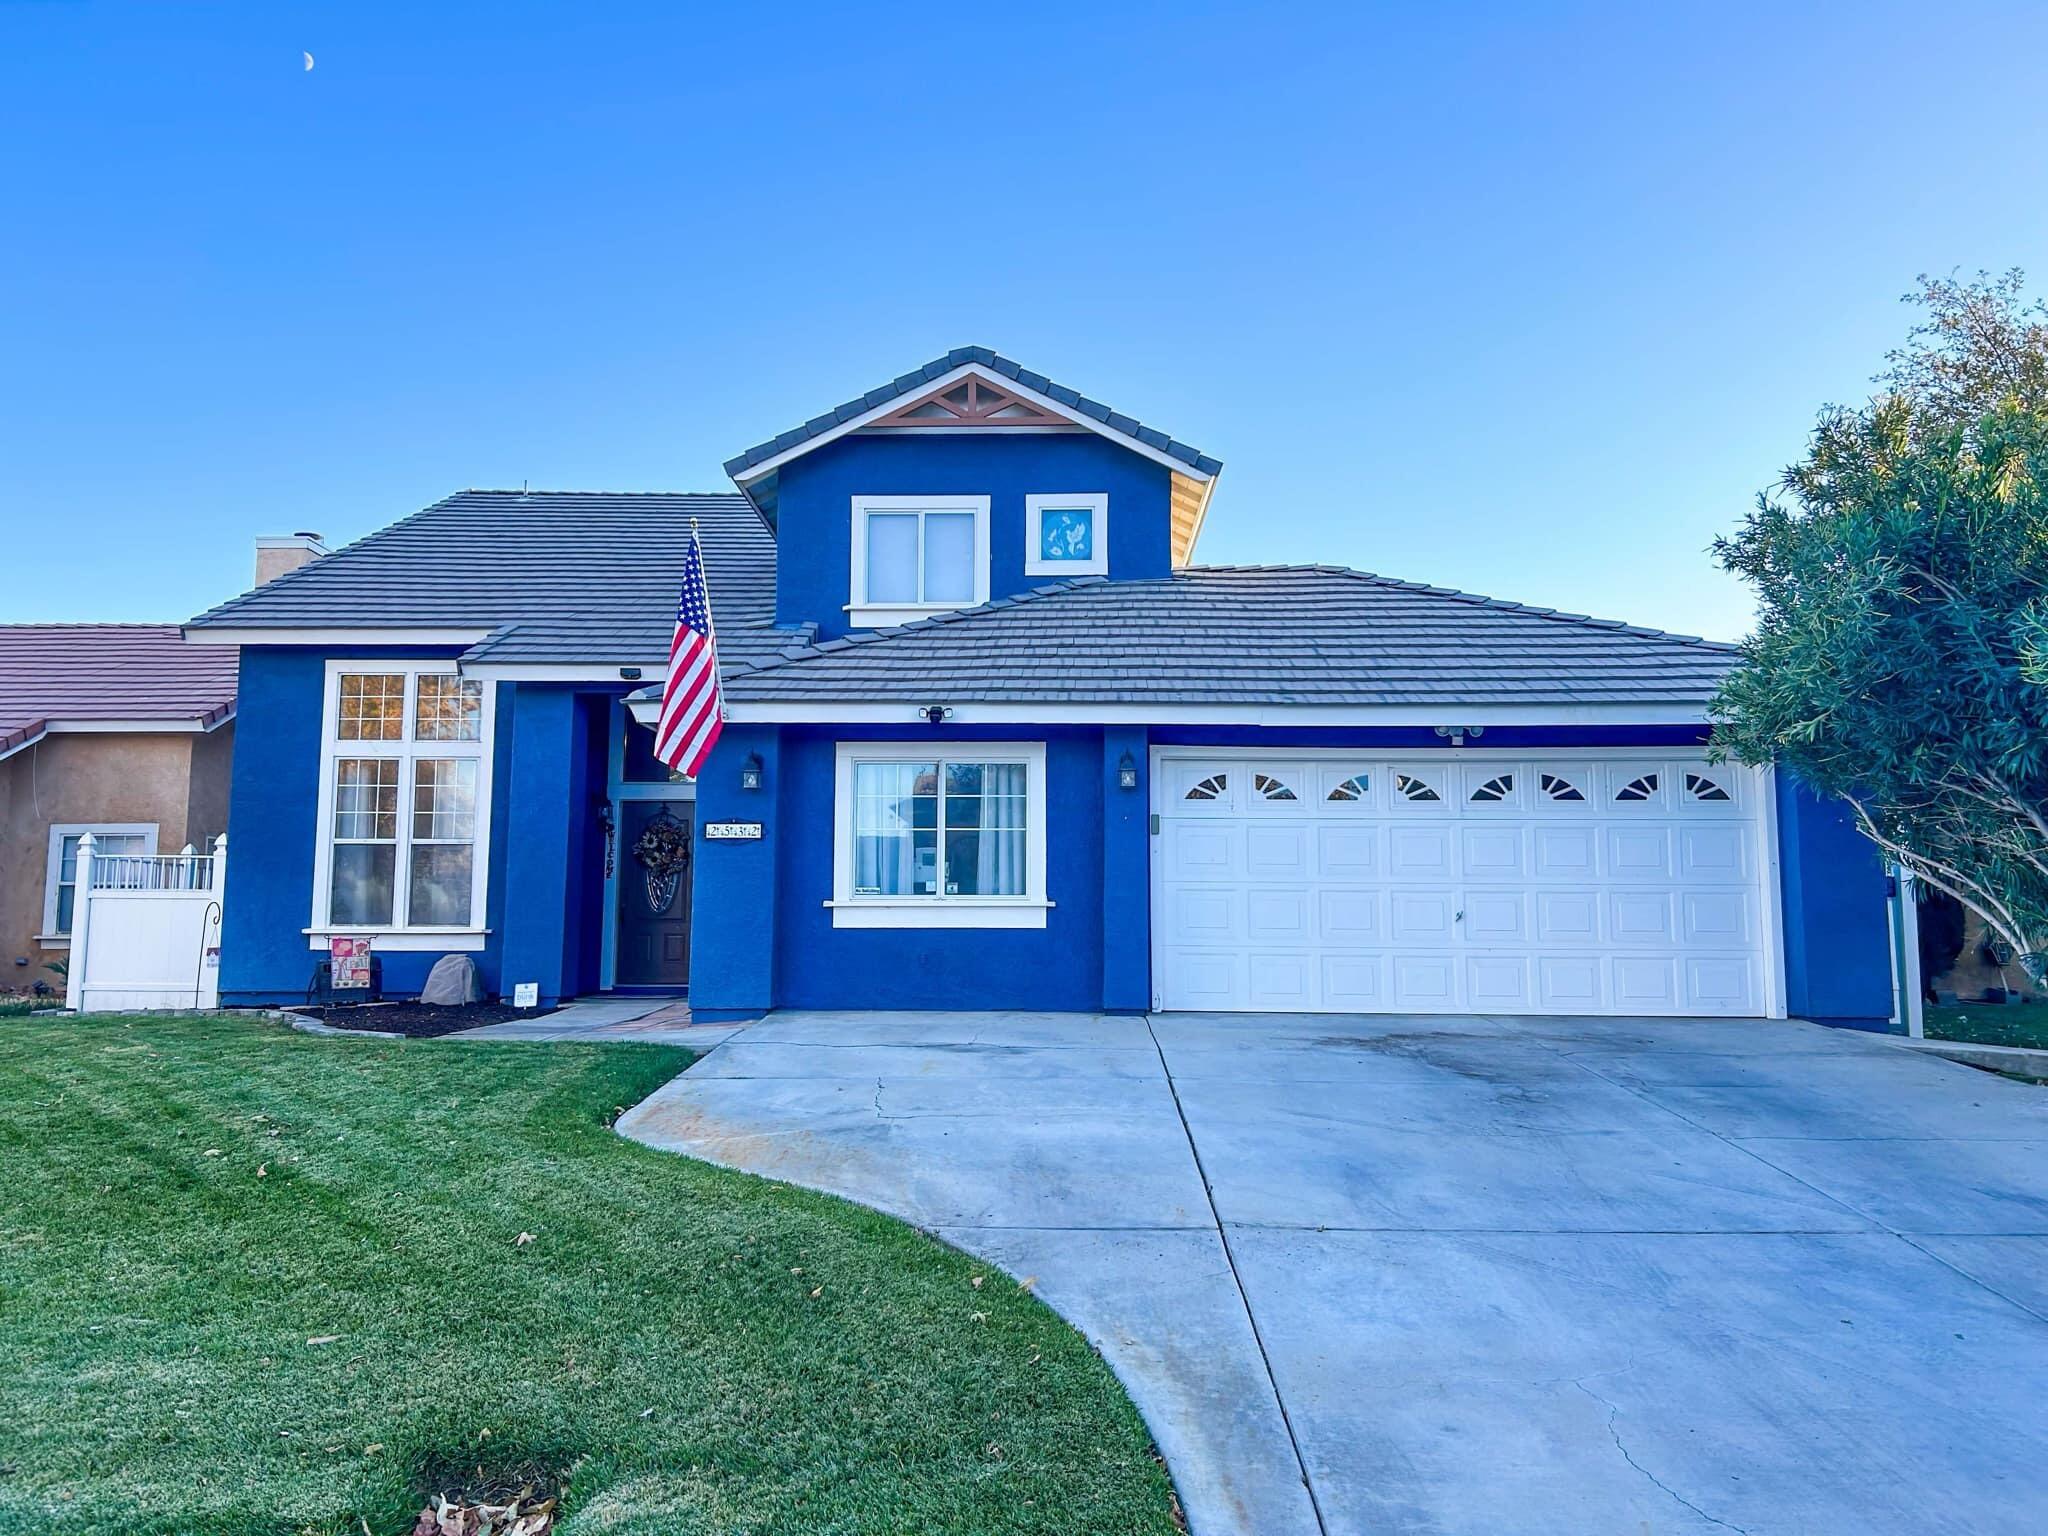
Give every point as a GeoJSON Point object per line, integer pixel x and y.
{"type": "Point", "coordinates": [996, 742]}
{"type": "Point", "coordinates": [120, 730]}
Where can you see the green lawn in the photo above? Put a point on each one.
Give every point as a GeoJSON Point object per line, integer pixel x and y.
{"type": "Point", "coordinates": [1990, 1025]}
{"type": "Point", "coordinates": [189, 1203]}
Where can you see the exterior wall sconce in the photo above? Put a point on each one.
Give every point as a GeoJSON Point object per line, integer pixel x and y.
{"type": "Point", "coordinates": [935, 714]}
{"type": "Point", "coordinates": [1127, 772]}
{"type": "Point", "coordinates": [1456, 734]}
{"type": "Point", "coordinates": [750, 771]}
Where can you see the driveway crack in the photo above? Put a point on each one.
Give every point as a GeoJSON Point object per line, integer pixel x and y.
{"type": "Point", "coordinates": [1613, 1413]}
{"type": "Point", "coordinates": [1243, 1297]}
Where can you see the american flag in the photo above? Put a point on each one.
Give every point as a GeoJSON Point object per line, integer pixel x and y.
{"type": "Point", "coordinates": [692, 704]}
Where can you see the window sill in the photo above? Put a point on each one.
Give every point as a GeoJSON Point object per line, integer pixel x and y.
{"type": "Point", "coordinates": [935, 912]}
{"type": "Point", "coordinates": [1062, 569]}
{"type": "Point", "coordinates": [884, 615]}
{"type": "Point", "coordinates": [53, 941]}
{"type": "Point", "coordinates": [403, 940]}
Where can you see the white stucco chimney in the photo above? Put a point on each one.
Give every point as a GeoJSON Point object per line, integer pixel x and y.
{"type": "Point", "coordinates": [277, 553]}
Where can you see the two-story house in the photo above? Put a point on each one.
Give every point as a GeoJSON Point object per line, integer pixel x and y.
{"type": "Point", "coordinates": [996, 741]}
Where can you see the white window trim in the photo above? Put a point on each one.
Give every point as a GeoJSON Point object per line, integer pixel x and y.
{"type": "Point", "coordinates": [1035, 508]}
{"type": "Point", "coordinates": [939, 911]}
{"type": "Point", "coordinates": [399, 935]}
{"type": "Point", "coordinates": [50, 938]}
{"type": "Point", "coordinates": [880, 615]}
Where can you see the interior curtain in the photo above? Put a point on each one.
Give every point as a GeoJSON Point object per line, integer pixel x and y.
{"type": "Point", "coordinates": [884, 845]}
{"type": "Point", "coordinates": [1000, 868]}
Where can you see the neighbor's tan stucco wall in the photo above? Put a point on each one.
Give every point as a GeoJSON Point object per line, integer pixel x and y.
{"type": "Point", "coordinates": [179, 782]}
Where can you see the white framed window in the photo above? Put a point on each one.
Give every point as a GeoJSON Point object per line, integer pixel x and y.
{"type": "Point", "coordinates": [1066, 535]}
{"type": "Point", "coordinates": [403, 844]}
{"type": "Point", "coordinates": [932, 836]}
{"type": "Point", "coordinates": [60, 877]}
{"type": "Point", "coordinates": [917, 555]}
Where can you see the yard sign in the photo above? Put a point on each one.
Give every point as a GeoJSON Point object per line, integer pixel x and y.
{"type": "Point", "coordinates": [350, 962]}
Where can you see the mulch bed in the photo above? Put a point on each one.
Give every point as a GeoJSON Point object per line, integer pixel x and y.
{"type": "Point", "coordinates": [416, 1021]}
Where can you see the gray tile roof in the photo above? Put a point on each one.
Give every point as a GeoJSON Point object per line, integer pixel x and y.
{"type": "Point", "coordinates": [1289, 635]}
{"type": "Point", "coordinates": [108, 672]}
{"type": "Point", "coordinates": [919, 378]}
{"type": "Point", "coordinates": [570, 577]}
{"type": "Point", "coordinates": [558, 576]}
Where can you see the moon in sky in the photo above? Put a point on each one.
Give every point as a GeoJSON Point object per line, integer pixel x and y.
{"type": "Point", "coordinates": [309, 61]}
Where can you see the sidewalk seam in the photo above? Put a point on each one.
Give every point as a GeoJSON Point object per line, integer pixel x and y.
{"type": "Point", "coordinates": [1243, 1298]}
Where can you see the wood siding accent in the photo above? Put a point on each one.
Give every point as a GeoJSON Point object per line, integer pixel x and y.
{"type": "Point", "coordinates": [1189, 501]}
{"type": "Point", "coordinates": [971, 402]}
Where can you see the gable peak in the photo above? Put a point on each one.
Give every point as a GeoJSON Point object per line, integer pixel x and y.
{"type": "Point", "coordinates": [975, 400]}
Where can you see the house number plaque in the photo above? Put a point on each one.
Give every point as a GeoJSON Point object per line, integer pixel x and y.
{"type": "Point", "coordinates": [732, 831]}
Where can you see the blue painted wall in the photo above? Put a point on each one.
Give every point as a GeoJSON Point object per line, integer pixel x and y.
{"type": "Point", "coordinates": [1513, 738]}
{"type": "Point", "coordinates": [275, 787]}
{"type": "Point", "coordinates": [1057, 967]}
{"type": "Point", "coordinates": [814, 519]}
{"type": "Point", "coordinates": [1126, 873]}
{"type": "Point", "coordinates": [550, 855]}
{"type": "Point", "coordinates": [736, 906]}
{"type": "Point", "coordinates": [762, 935]}
{"type": "Point", "coordinates": [1838, 963]}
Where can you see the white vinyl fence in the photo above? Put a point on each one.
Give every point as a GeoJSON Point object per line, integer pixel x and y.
{"type": "Point", "coordinates": [145, 932]}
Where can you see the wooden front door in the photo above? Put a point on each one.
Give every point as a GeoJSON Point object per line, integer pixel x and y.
{"type": "Point", "coordinates": [654, 909]}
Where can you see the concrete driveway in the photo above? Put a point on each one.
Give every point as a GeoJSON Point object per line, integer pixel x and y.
{"type": "Point", "coordinates": [1473, 1276]}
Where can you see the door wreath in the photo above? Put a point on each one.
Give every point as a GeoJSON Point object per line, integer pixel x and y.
{"type": "Point", "coordinates": [662, 850]}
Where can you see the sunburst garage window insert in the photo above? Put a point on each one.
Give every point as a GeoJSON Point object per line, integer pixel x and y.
{"type": "Point", "coordinates": [926, 838]}
{"type": "Point", "coordinates": [405, 786]}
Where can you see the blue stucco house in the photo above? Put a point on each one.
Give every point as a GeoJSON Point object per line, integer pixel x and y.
{"type": "Point", "coordinates": [996, 741]}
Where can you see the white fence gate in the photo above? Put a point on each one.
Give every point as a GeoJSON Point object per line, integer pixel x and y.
{"type": "Point", "coordinates": [145, 932]}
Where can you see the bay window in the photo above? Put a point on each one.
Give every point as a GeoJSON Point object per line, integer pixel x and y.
{"type": "Point", "coordinates": [952, 839]}
{"type": "Point", "coordinates": [405, 786]}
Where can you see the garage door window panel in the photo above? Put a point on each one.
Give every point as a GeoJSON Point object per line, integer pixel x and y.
{"type": "Point", "coordinates": [1350, 787]}
{"type": "Point", "coordinates": [1490, 788]}
{"type": "Point", "coordinates": [1418, 789]}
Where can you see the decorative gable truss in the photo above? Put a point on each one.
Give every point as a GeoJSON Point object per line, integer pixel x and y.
{"type": "Point", "coordinates": [975, 389]}
{"type": "Point", "coordinates": [973, 402]}
{"type": "Point", "coordinates": [983, 404]}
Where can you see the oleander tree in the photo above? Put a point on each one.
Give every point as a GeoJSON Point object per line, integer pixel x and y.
{"type": "Point", "coordinates": [1900, 658]}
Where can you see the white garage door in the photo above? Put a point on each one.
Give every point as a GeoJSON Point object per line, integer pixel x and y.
{"type": "Point", "coordinates": [1466, 884]}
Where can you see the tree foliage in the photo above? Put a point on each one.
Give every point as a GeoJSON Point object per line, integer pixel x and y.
{"type": "Point", "coordinates": [1982, 345]}
{"type": "Point", "coordinates": [1901, 569]}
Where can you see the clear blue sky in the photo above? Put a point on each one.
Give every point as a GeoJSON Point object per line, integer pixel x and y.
{"type": "Point", "coordinates": [1525, 302]}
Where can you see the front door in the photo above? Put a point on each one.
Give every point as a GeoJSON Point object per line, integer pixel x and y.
{"type": "Point", "coordinates": [654, 902]}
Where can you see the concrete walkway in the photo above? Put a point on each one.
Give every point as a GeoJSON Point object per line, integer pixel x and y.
{"type": "Point", "coordinates": [1472, 1276]}
{"type": "Point", "coordinates": [655, 1020]}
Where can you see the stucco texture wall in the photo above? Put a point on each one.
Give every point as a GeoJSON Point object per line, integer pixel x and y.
{"type": "Point", "coordinates": [177, 782]}
{"type": "Point", "coordinates": [815, 508]}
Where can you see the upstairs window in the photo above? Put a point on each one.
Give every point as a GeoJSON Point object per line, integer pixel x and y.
{"type": "Point", "coordinates": [917, 555]}
{"type": "Point", "coordinates": [1066, 535]}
